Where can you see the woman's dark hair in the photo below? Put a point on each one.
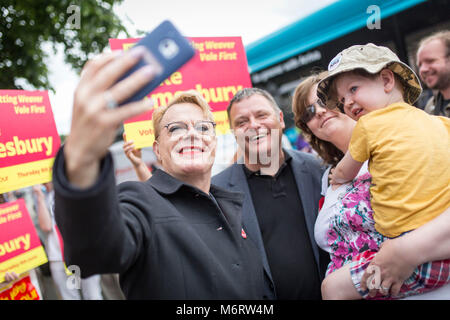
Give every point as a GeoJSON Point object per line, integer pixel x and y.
{"type": "Point", "coordinates": [326, 150]}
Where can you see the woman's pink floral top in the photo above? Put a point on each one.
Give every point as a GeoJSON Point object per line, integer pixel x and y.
{"type": "Point", "coordinates": [352, 231]}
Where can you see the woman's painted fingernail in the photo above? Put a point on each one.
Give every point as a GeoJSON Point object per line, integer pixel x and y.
{"type": "Point", "coordinates": [148, 70]}
{"type": "Point", "coordinates": [137, 52]}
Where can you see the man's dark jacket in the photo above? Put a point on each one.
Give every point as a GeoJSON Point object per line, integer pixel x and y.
{"type": "Point", "coordinates": [308, 175]}
{"type": "Point", "coordinates": [436, 105]}
{"type": "Point", "coordinates": [166, 239]}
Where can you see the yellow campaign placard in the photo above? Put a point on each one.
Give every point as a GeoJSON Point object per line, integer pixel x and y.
{"type": "Point", "coordinates": [29, 140]}
{"type": "Point", "coordinates": [22, 289]}
{"type": "Point", "coordinates": [222, 124]}
{"type": "Point", "coordinates": [141, 132]}
{"type": "Point", "coordinates": [27, 174]}
{"type": "Point", "coordinates": [24, 262]}
{"type": "Point", "coordinates": [20, 247]}
{"type": "Point", "coordinates": [217, 71]}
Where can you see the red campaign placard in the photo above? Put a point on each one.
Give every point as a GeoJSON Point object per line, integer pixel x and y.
{"type": "Point", "coordinates": [20, 247]}
{"type": "Point", "coordinates": [218, 70]}
{"type": "Point", "coordinates": [27, 127]}
{"type": "Point", "coordinates": [28, 139]}
{"type": "Point", "coordinates": [23, 289]}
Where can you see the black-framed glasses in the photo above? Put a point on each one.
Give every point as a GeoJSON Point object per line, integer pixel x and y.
{"type": "Point", "coordinates": [204, 127]}
{"type": "Point", "coordinates": [310, 111]}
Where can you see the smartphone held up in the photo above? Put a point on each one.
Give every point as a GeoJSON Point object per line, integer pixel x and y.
{"type": "Point", "coordinates": [167, 50]}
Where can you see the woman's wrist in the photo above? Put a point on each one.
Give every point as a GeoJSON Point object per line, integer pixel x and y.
{"type": "Point", "coordinates": [139, 165]}
{"type": "Point", "coordinates": [80, 172]}
{"type": "Point", "coordinates": [429, 242]}
{"type": "Point", "coordinates": [410, 251]}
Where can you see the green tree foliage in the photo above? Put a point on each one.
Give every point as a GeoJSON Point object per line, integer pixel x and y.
{"type": "Point", "coordinates": [26, 24]}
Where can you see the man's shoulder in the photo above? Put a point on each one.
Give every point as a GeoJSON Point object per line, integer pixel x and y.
{"type": "Point", "coordinates": [300, 156]}
{"type": "Point", "coordinates": [224, 176]}
{"type": "Point", "coordinates": [307, 162]}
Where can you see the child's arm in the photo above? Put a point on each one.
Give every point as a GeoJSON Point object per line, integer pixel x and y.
{"type": "Point", "coordinates": [346, 170]}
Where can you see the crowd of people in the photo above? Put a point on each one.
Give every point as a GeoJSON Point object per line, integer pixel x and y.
{"type": "Point", "coordinates": [277, 223]}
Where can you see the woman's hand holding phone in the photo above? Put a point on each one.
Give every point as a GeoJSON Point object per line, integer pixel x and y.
{"type": "Point", "coordinates": [112, 80]}
{"type": "Point", "coordinates": [94, 122]}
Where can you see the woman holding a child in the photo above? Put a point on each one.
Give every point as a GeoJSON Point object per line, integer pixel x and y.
{"type": "Point", "coordinates": [347, 227]}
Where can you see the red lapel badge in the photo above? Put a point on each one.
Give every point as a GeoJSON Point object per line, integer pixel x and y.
{"type": "Point", "coordinates": [243, 234]}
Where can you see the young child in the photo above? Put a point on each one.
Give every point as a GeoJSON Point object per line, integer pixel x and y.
{"type": "Point", "coordinates": [408, 152]}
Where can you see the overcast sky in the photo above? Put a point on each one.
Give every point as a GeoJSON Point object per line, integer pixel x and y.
{"type": "Point", "coordinates": [250, 19]}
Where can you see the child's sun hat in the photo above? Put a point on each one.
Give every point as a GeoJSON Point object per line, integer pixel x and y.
{"type": "Point", "coordinates": [373, 59]}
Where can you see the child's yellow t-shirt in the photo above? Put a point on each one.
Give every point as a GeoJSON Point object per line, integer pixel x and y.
{"type": "Point", "coordinates": [409, 160]}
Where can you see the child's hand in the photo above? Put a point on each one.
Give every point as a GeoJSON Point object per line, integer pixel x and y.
{"type": "Point", "coordinates": [332, 179]}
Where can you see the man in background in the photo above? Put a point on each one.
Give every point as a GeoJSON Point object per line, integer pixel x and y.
{"type": "Point", "coordinates": [433, 62]}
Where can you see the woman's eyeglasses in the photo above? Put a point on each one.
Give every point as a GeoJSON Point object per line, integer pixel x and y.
{"type": "Point", "coordinates": [177, 129]}
{"type": "Point", "coordinates": [310, 111]}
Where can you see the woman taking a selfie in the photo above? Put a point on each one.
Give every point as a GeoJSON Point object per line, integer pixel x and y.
{"type": "Point", "coordinates": [175, 236]}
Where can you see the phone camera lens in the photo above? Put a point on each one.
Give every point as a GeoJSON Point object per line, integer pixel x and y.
{"type": "Point", "coordinates": [168, 48]}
